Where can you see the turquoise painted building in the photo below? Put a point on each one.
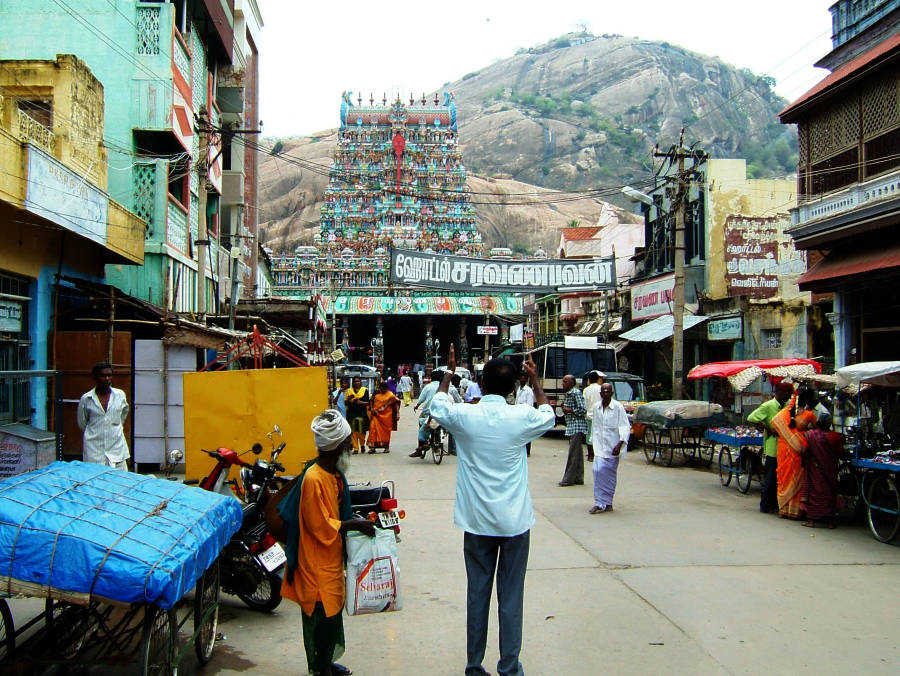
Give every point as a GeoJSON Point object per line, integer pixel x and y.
{"type": "Point", "coordinates": [160, 65]}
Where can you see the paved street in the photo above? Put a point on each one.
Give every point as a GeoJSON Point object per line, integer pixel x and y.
{"type": "Point", "coordinates": [683, 577]}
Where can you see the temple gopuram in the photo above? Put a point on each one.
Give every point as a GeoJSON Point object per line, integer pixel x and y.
{"type": "Point", "coordinates": [396, 180]}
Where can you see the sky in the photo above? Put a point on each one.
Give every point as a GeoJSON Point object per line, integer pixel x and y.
{"type": "Point", "coordinates": [312, 51]}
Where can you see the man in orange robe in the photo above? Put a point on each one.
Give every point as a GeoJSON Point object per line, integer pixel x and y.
{"type": "Point", "coordinates": [317, 584]}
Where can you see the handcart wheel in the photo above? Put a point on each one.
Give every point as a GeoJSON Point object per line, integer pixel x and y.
{"type": "Point", "coordinates": [883, 500]}
{"type": "Point", "coordinates": [744, 476]}
{"type": "Point", "coordinates": [666, 451]}
{"type": "Point", "coordinates": [649, 444]}
{"type": "Point", "coordinates": [67, 627]}
{"type": "Point", "coordinates": [7, 632]}
{"type": "Point", "coordinates": [206, 613]}
{"type": "Point", "coordinates": [158, 642]}
{"type": "Point", "coordinates": [724, 465]}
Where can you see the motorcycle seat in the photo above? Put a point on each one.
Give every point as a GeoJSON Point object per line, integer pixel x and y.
{"type": "Point", "coordinates": [368, 496]}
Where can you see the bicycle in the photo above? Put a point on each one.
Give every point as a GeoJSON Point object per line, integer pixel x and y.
{"type": "Point", "coordinates": [435, 441]}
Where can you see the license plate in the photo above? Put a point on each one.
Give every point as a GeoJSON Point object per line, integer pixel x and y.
{"type": "Point", "coordinates": [388, 519]}
{"type": "Point", "coordinates": [273, 557]}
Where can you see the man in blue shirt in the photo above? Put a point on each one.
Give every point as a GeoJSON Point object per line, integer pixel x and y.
{"type": "Point", "coordinates": [493, 502]}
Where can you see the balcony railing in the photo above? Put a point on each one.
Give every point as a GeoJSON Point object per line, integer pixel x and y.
{"type": "Point", "coordinates": [176, 226]}
{"type": "Point", "coordinates": [32, 131]}
{"type": "Point", "coordinates": [858, 195]}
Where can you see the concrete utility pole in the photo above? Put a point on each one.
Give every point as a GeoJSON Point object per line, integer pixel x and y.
{"type": "Point", "coordinates": [680, 205]}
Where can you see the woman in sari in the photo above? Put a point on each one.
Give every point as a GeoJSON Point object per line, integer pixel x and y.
{"type": "Point", "coordinates": [790, 424]}
{"type": "Point", "coordinates": [356, 400]}
{"type": "Point", "coordinates": [821, 462]}
{"type": "Point", "coordinates": [385, 409]}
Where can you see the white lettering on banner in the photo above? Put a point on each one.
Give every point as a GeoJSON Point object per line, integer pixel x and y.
{"type": "Point", "coordinates": [458, 273]}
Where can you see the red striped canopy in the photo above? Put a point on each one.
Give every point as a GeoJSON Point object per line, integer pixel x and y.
{"type": "Point", "coordinates": [724, 369]}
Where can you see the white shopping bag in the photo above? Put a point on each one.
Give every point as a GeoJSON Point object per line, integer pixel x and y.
{"type": "Point", "coordinates": [372, 573]}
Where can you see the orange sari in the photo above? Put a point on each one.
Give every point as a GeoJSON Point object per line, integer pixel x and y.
{"type": "Point", "coordinates": [791, 446]}
{"type": "Point", "coordinates": [384, 411]}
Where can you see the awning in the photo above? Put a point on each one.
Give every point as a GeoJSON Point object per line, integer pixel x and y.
{"type": "Point", "coordinates": [741, 373]}
{"type": "Point", "coordinates": [660, 328]}
{"type": "Point", "coordinates": [841, 264]}
{"type": "Point", "coordinates": [884, 373]}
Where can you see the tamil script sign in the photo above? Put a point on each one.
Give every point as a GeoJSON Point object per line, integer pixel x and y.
{"type": "Point", "coordinates": [652, 298]}
{"type": "Point", "coordinates": [727, 328]}
{"type": "Point", "coordinates": [758, 255]}
{"type": "Point", "coordinates": [487, 330]}
{"type": "Point", "coordinates": [10, 316]}
{"type": "Point", "coordinates": [458, 273]}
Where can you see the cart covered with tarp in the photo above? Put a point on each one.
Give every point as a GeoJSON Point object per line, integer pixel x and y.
{"type": "Point", "coordinates": [877, 476]}
{"type": "Point", "coordinates": [677, 425]}
{"type": "Point", "coordinates": [114, 554]}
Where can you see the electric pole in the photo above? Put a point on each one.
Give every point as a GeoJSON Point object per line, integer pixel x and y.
{"type": "Point", "coordinates": [679, 205]}
{"type": "Point", "coordinates": [202, 232]}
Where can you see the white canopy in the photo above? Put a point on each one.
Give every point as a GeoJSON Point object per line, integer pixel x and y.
{"type": "Point", "coordinates": [885, 373]}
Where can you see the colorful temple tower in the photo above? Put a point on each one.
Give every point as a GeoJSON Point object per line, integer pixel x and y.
{"type": "Point", "coordinates": [396, 180]}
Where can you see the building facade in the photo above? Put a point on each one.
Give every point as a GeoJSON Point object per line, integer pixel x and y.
{"type": "Point", "coordinates": [57, 218]}
{"type": "Point", "coordinates": [159, 63]}
{"type": "Point", "coordinates": [848, 129]}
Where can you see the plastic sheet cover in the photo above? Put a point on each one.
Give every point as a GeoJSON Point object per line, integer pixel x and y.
{"type": "Point", "coordinates": [81, 528]}
{"type": "Point", "coordinates": [679, 413]}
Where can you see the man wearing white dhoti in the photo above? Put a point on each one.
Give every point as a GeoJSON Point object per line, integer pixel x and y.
{"type": "Point", "coordinates": [610, 441]}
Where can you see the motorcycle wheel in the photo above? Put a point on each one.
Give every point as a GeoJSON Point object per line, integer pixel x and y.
{"type": "Point", "coordinates": [267, 595]}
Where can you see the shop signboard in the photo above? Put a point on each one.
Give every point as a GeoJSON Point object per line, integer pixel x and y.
{"type": "Point", "coordinates": [727, 328]}
{"type": "Point", "coordinates": [652, 298]}
{"type": "Point", "coordinates": [58, 194]}
{"type": "Point", "coordinates": [758, 254]}
{"type": "Point", "coordinates": [10, 316]}
{"type": "Point", "coordinates": [487, 330]}
{"type": "Point", "coordinates": [424, 305]}
{"type": "Point", "coordinates": [459, 273]}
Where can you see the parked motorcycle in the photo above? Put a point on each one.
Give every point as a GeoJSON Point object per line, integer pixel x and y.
{"type": "Point", "coordinates": [377, 504]}
{"type": "Point", "coordinates": [251, 563]}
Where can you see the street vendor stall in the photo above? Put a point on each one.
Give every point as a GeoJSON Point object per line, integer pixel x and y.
{"type": "Point", "coordinates": [877, 464]}
{"type": "Point", "coordinates": [740, 447]}
{"type": "Point", "coordinates": [677, 425]}
{"type": "Point", "coordinates": [113, 553]}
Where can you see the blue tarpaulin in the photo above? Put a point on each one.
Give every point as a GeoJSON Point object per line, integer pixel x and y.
{"type": "Point", "coordinates": [83, 529]}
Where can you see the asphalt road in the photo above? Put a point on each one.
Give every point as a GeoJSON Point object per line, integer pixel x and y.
{"type": "Point", "coordinates": [684, 577]}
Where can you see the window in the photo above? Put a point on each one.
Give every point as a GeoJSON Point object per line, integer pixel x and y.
{"type": "Point", "coordinates": [39, 110]}
{"type": "Point", "coordinates": [771, 338]}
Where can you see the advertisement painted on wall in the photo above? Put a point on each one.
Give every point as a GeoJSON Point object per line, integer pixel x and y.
{"type": "Point", "coordinates": [652, 298]}
{"type": "Point", "coordinates": [758, 254]}
{"type": "Point", "coordinates": [65, 198]}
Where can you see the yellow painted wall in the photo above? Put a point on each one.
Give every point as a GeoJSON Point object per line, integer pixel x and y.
{"type": "Point", "coordinates": [12, 173]}
{"type": "Point", "coordinates": [731, 193]}
{"type": "Point", "coordinates": [125, 233]}
{"type": "Point", "coordinates": [235, 409]}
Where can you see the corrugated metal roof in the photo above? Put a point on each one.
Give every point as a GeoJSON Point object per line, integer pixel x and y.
{"type": "Point", "coordinates": [660, 328]}
{"type": "Point", "coordinates": [845, 71]}
{"type": "Point", "coordinates": [841, 264]}
{"type": "Point", "coordinates": [572, 234]}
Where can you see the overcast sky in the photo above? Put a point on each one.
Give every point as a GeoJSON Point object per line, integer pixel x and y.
{"type": "Point", "coordinates": [312, 51]}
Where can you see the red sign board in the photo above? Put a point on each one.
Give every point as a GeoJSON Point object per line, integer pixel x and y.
{"type": "Point", "coordinates": [488, 330]}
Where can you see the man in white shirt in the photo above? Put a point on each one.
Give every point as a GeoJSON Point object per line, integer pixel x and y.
{"type": "Point", "coordinates": [425, 397]}
{"type": "Point", "coordinates": [525, 395]}
{"type": "Point", "coordinates": [591, 396]}
{"type": "Point", "coordinates": [610, 438]}
{"type": "Point", "coordinates": [493, 502]}
{"type": "Point", "coordinates": [473, 391]}
{"type": "Point", "coordinates": [101, 414]}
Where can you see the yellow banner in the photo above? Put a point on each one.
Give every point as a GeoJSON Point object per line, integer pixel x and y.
{"type": "Point", "coordinates": [236, 409]}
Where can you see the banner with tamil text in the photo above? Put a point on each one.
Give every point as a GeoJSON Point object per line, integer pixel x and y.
{"type": "Point", "coordinates": [458, 273]}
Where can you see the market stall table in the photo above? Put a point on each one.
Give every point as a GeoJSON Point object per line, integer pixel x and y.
{"type": "Point", "coordinates": [748, 446]}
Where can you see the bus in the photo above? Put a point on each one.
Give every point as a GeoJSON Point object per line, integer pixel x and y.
{"type": "Point", "coordinates": [578, 356]}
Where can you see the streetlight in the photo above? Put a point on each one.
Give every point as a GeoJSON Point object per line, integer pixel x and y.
{"type": "Point", "coordinates": [637, 196]}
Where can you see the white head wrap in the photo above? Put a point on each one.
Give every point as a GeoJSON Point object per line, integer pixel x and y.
{"type": "Point", "coordinates": [330, 429]}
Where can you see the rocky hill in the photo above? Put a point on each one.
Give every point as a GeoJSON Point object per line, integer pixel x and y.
{"type": "Point", "coordinates": [581, 112]}
{"type": "Point", "coordinates": [293, 182]}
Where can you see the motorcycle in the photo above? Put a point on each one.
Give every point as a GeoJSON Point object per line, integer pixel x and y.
{"type": "Point", "coordinates": [252, 563]}
{"type": "Point", "coordinates": [377, 504]}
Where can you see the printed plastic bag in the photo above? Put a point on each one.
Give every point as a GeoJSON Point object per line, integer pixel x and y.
{"type": "Point", "coordinates": [372, 573]}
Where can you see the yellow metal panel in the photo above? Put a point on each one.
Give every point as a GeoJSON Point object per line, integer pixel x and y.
{"type": "Point", "coordinates": [235, 409]}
